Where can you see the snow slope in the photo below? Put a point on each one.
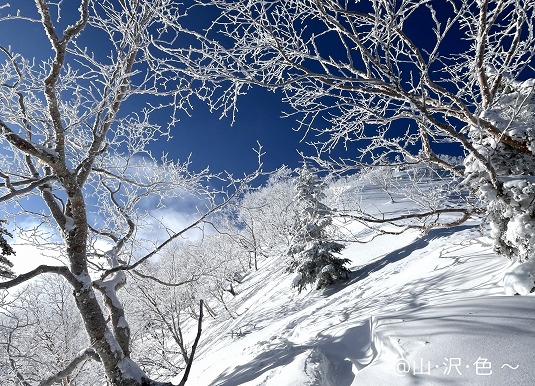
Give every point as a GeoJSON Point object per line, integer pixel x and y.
{"type": "Point", "coordinates": [418, 310]}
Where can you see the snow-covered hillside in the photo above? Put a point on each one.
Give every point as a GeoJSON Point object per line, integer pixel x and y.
{"type": "Point", "coordinates": [418, 310]}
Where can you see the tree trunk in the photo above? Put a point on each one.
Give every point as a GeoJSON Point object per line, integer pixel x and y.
{"type": "Point", "coordinates": [119, 368]}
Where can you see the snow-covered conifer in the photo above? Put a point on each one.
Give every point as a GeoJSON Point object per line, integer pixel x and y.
{"type": "Point", "coordinates": [5, 250]}
{"type": "Point", "coordinates": [312, 253]}
{"type": "Point", "coordinates": [511, 201]}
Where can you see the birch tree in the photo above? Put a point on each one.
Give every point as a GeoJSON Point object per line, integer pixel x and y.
{"type": "Point", "coordinates": [399, 80]}
{"type": "Point", "coordinates": [76, 172]}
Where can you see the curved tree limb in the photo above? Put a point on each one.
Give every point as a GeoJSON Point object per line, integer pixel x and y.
{"type": "Point", "coordinates": [28, 188]}
{"type": "Point", "coordinates": [88, 353]}
{"type": "Point", "coordinates": [59, 270]}
{"type": "Point", "coordinates": [420, 215]}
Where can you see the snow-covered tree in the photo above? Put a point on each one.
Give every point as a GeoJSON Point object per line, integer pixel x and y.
{"type": "Point", "coordinates": [163, 299]}
{"type": "Point", "coordinates": [265, 215]}
{"type": "Point", "coordinates": [41, 335]}
{"type": "Point", "coordinates": [77, 175]}
{"type": "Point", "coordinates": [6, 250]}
{"type": "Point", "coordinates": [511, 201]}
{"type": "Point", "coordinates": [159, 313]}
{"type": "Point", "coordinates": [312, 251]}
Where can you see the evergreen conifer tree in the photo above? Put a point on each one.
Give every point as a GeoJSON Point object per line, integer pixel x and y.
{"type": "Point", "coordinates": [311, 251]}
{"type": "Point", "coordinates": [6, 250]}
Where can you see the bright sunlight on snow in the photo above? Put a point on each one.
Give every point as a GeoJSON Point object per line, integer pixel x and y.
{"type": "Point", "coordinates": [418, 310]}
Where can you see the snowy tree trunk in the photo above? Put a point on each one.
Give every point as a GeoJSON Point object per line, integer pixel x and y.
{"type": "Point", "coordinates": [113, 349]}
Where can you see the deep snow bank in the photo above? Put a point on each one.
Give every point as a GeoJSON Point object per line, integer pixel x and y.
{"type": "Point", "coordinates": [413, 299]}
{"type": "Point", "coordinates": [481, 341]}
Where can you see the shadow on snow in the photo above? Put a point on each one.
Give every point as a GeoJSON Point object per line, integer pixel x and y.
{"type": "Point", "coordinates": [406, 251]}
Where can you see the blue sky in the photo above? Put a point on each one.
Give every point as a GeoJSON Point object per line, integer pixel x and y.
{"type": "Point", "coordinates": [225, 146]}
{"type": "Point", "coordinates": [211, 141]}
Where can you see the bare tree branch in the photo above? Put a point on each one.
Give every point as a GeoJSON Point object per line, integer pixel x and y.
{"type": "Point", "coordinates": [30, 186]}
{"type": "Point", "coordinates": [88, 353]}
{"type": "Point", "coordinates": [59, 270]}
{"type": "Point", "coordinates": [194, 347]}
{"type": "Point", "coordinates": [201, 219]}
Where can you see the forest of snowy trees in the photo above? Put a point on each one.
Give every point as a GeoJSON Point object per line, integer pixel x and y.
{"type": "Point", "coordinates": [116, 292]}
{"type": "Point", "coordinates": [39, 322]}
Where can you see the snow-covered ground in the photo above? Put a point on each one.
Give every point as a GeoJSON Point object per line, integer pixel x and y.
{"type": "Point", "coordinates": [419, 310]}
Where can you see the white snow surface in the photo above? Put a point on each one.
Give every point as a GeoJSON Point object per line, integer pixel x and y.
{"type": "Point", "coordinates": [418, 310]}
{"type": "Point", "coordinates": [521, 279]}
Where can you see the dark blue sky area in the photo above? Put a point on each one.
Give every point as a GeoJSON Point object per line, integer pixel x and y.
{"type": "Point", "coordinates": [215, 142]}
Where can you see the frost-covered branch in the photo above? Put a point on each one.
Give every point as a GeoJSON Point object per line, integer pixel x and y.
{"type": "Point", "coordinates": [88, 353]}
{"type": "Point", "coordinates": [42, 269]}
{"type": "Point", "coordinates": [464, 215]}
{"type": "Point", "coordinates": [363, 83]}
{"type": "Point", "coordinates": [30, 186]}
